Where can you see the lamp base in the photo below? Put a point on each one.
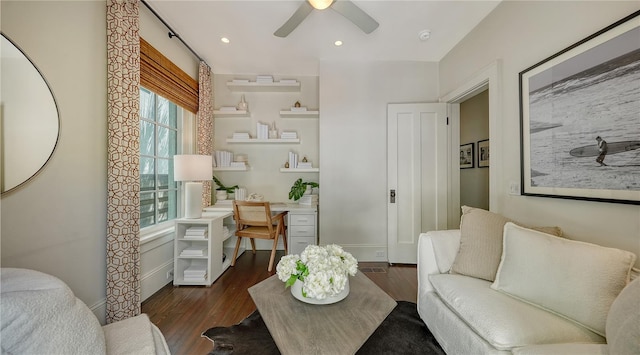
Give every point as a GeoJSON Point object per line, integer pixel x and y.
{"type": "Point", "coordinates": [193, 200]}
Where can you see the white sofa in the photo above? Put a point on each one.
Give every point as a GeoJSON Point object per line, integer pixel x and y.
{"type": "Point", "coordinates": [549, 296]}
{"type": "Point", "coordinates": [41, 315]}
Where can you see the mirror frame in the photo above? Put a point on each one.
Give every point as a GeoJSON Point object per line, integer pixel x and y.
{"type": "Point", "coordinates": [59, 123]}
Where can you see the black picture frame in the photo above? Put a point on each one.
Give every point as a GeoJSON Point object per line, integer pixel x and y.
{"type": "Point", "coordinates": [589, 90]}
{"type": "Point", "coordinates": [483, 153]}
{"type": "Point", "coordinates": [467, 154]}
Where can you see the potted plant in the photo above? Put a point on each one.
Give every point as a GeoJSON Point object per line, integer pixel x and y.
{"type": "Point", "coordinates": [299, 187]}
{"type": "Point", "coordinates": [221, 187]}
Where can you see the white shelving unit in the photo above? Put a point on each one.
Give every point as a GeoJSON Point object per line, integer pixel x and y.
{"type": "Point", "coordinates": [238, 113]}
{"type": "Point", "coordinates": [254, 86]}
{"type": "Point", "coordinates": [231, 168]}
{"type": "Point", "coordinates": [290, 170]}
{"type": "Point", "coordinates": [211, 261]}
{"type": "Point", "coordinates": [255, 140]}
{"type": "Point", "coordinates": [299, 114]}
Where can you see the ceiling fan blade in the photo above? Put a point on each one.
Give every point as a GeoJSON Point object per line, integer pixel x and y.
{"type": "Point", "coordinates": [303, 11]}
{"type": "Point", "coordinates": [355, 14]}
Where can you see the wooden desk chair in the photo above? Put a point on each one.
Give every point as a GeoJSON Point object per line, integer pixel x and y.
{"type": "Point", "coordinates": [254, 220]}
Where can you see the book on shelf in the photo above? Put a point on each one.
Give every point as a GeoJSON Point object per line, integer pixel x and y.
{"type": "Point", "coordinates": [288, 135]}
{"type": "Point", "coordinates": [308, 200]}
{"type": "Point", "coordinates": [237, 164]}
{"type": "Point", "coordinates": [293, 160]}
{"type": "Point", "coordinates": [304, 165]}
{"type": "Point", "coordinates": [241, 135]}
{"type": "Point", "coordinates": [264, 79]}
{"type": "Point", "coordinates": [262, 131]}
{"type": "Point", "coordinates": [222, 158]}
{"type": "Point", "coordinates": [194, 251]}
{"type": "Point", "coordinates": [224, 202]}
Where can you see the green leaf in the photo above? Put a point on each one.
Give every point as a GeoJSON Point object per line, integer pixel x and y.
{"type": "Point", "coordinates": [291, 281]}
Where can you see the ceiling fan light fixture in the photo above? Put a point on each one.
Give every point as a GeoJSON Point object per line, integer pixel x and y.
{"type": "Point", "coordinates": [320, 4]}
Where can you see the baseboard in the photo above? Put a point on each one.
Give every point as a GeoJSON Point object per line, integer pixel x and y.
{"type": "Point", "coordinates": [155, 279]}
{"type": "Point", "coordinates": [367, 253]}
{"type": "Point", "coordinates": [100, 311]}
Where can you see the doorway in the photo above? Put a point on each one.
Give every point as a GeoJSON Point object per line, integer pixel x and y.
{"type": "Point", "coordinates": [474, 133]}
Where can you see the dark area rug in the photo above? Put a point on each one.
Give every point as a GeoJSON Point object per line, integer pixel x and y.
{"type": "Point", "coordinates": [402, 332]}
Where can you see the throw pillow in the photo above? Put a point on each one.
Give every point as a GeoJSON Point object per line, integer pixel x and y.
{"type": "Point", "coordinates": [623, 321]}
{"type": "Point", "coordinates": [481, 243]}
{"type": "Point", "coordinates": [576, 280]}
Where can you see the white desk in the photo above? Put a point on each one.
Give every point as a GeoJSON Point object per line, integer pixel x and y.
{"type": "Point", "coordinates": [302, 222]}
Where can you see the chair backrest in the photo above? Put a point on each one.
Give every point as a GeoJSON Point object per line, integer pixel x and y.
{"type": "Point", "coordinates": [252, 213]}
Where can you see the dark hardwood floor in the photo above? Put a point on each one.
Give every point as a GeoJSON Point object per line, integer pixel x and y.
{"type": "Point", "coordinates": [184, 313]}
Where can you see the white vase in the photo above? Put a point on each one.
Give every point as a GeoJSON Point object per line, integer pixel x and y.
{"type": "Point", "coordinates": [296, 291]}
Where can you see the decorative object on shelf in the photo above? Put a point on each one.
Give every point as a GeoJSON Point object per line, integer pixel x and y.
{"type": "Point", "coordinates": [297, 107]}
{"type": "Point", "coordinates": [243, 105]}
{"type": "Point", "coordinates": [299, 188]}
{"type": "Point", "coordinates": [319, 275]}
{"type": "Point", "coordinates": [273, 132]}
{"type": "Point", "coordinates": [240, 193]}
{"type": "Point", "coordinates": [255, 197]}
{"type": "Point", "coordinates": [286, 165]}
{"type": "Point", "coordinates": [221, 187]}
{"type": "Point", "coordinates": [193, 169]}
{"type": "Point", "coordinates": [297, 104]}
{"type": "Point", "coordinates": [221, 194]}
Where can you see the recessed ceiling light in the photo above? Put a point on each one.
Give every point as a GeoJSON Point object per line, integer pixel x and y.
{"type": "Point", "coordinates": [338, 43]}
{"type": "Point", "coordinates": [424, 35]}
{"type": "Point", "coordinates": [224, 40]}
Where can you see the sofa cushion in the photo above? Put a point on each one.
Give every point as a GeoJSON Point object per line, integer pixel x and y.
{"type": "Point", "coordinates": [41, 315]}
{"type": "Point", "coordinates": [503, 321]}
{"type": "Point", "coordinates": [623, 321]}
{"type": "Point", "coordinates": [575, 279]}
{"type": "Point", "coordinates": [564, 349]}
{"type": "Point", "coordinates": [481, 243]}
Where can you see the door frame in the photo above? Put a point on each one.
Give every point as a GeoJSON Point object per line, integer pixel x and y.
{"type": "Point", "coordinates": [487, 78]}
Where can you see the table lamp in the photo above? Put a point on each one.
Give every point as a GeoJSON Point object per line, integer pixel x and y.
{"type": "Point", "coordinates": [193, 169]}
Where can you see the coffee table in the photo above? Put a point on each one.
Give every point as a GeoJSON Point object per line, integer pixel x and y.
{"type": "Point", "coordinates": [339, 328]}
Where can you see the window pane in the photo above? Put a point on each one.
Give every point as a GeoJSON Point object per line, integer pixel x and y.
{"type": "Point", "coordinates": [147, 174]}
{"type": "Point", "coordinates": [147, 105]}
{"type": "Point", "coordinates": [147, 140]}
{"type": "Point", "coordinates": [166, 205]}
{"type": "Point", "coordinates": [163, 111]}
{"type": "Point", "coordinates": [147, 209]}
{"type": "Point", "coordinates": [173, 115]}
{"type": "Point", "coordinates": [163, 142]}
{"type": "Point", "coordinates": [163, 174]}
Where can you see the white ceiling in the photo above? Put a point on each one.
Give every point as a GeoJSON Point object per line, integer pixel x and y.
{"type": "Point", "coordinates": [254, 49]}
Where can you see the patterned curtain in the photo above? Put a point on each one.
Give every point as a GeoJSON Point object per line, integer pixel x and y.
{"type": "Point", "coordinates": [123, 162]}
{"type": "Point", "coordinates": [205, 122]}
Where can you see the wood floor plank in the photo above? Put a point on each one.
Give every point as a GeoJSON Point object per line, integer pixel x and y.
{"type": "Point", "coordinates": [184, 313]}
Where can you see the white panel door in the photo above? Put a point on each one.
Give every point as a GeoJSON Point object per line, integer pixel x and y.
{"type": "Point", "coordinates": [416, 174]}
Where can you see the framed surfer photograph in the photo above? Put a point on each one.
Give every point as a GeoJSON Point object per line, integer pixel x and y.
{"type": "Point", "coordinates": [483, 154]}
{"type": "Point", "coordinates": [466, 156]}
{"type": "Point", "coordinates": [580, 119]}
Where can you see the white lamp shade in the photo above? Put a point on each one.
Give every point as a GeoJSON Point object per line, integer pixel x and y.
{"type": "Point", "coordinates": [192, 167]}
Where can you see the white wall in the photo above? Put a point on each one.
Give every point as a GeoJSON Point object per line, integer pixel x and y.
{"type": "Point", "coordinates": [520, 34]}
{"type": "Point", "coordinates": [353, 146]}
{"type": "Point", "coordinates": [56, 223]}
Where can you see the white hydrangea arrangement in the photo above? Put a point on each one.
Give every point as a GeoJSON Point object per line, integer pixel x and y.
{"type": "Point", "coordinates": [323, 270]}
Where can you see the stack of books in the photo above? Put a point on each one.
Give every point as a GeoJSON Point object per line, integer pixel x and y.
{"type": "Point", "coordinates": [196, 232]}
{"type": "Point", "coordinates": [194, 251]}
{"type": "Point", "coordinates": [298, 109]}
{"type": "Point", "coordinates": [288, 135]}
{"type": "Point", "coordinates": [264, 79]}
{"type": "Point", "coordinates": [222, 158]}
{"type": "Point", "coordinates": [195, 273]}
{"type": "Point", "coordinates": [293, 160]}
{"type": "Point", "coordinates": [262, 131]}
{"type": "Point", "coordinates": [241, 135]}
{"type": "Point", "coordinates": [304, 165]}
{"type": "Point", "coordinates": [308, 200]}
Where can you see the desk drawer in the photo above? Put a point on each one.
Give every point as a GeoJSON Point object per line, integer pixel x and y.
{"type": "Point", "coordinates": [302, 231]}
{"type": "Point", "coordinates": [302, 219]}
{"type": "Point", "coordinates": [297, 244]}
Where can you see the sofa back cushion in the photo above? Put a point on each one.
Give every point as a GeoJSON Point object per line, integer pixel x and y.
{"type": "Point", "coordinates": [41, 315]}
{"type": "Point", "coordinates": [481, 243]}
{"type": "Point", "coordinates": [623, 321]}
{"type": "Point", "coordinates": [574, 279]}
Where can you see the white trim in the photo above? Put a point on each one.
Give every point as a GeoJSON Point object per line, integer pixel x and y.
{"type": "Point", "coordinates": [158, 231]}
{"type": "Point", "coordinates": [488, 77]}
{"type": "Point", "coordinates": [99, 309]}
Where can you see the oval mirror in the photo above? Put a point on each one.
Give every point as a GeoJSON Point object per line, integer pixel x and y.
{"type": "Point", "coordinates": [29, 121]}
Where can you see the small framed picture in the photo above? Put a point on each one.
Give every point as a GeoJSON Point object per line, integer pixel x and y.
{"type": "Point", "coordinates": [466, 156]}
{"type": "Point", "coordinates": [483, 154]}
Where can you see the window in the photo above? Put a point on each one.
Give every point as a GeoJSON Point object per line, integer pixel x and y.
{"type": "Point", "coordinates": [160, 132]}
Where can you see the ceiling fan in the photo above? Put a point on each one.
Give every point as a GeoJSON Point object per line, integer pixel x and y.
{"type": "Point", "coordinates": [344, 7]}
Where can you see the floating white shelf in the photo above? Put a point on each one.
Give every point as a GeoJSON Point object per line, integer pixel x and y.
{"type": "Point", "coordinates": [238, 113]}
{"type": "Point", "coordinates": [255, 140]}
{"type": "Point", "coordinates": [231, 168]}
{"type": "Point", "coordinates": [289, 170]}
{"type": "Point", "coordinates": [254, 86]}
{"type": "Point", "coordinates": [299, 114]}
